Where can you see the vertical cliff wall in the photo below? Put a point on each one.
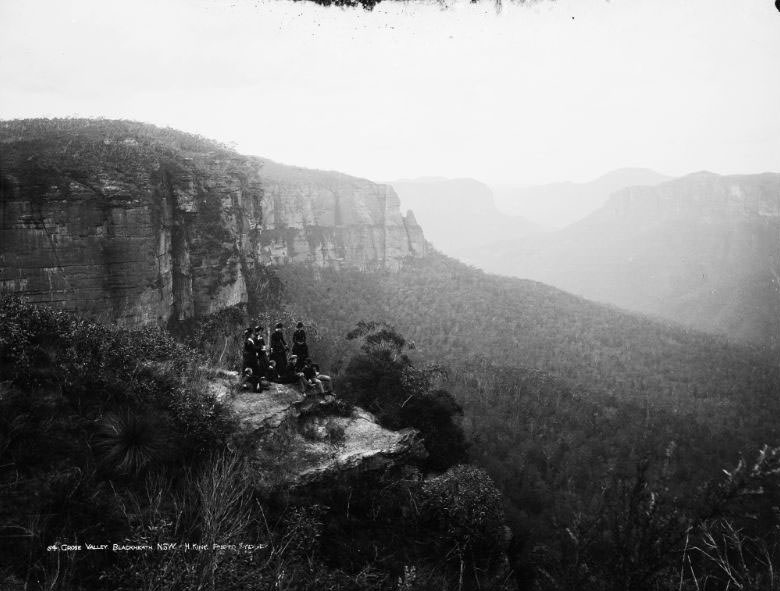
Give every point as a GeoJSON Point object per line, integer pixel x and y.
{"type": "Point", "coordinates": [329, 218]}
{"type": "Point", "coordinates": [141, 225]}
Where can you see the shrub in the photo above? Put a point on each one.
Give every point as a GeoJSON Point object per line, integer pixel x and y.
{"type": "Point", "coordinates": [382, 379]}
{"type": "Point", "coordinates": [86, 408]}
{"type": "Point", "coordinates": [128, 442]}
{"type": "Point", "coordinates": [465, 505]}
{"type": "Point", "coordinates": [302, 529]}
{"type": "Point", "coordinates": [434, 415]}
{"type": "Point", "coordinates": [219, 336]}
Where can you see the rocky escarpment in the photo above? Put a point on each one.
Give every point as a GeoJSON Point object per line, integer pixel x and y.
{"type": "Point", "coordinates": [332, 219]}
{"type": "Point", "coordinates": [703, 196]}
{"type": "Point", "coordinates": [702, 250]}
{"type": "Point", "coordinates": [304, 439]}
{"type": "Point", "coordinates": [140, 225]}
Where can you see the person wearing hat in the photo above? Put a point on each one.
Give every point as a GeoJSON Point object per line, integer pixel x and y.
{"type": "Point", "coordinates": [279, 349]}
{"type": "Point", "coordinates": [289, 375]}
{"type": "Point", "coordinates": [260, 349]}
{"type": "Point", "coordinates": [327, 381]}
{"type": "Point", "coordinates": [251, 381]}
{"type": "Point", "coordinates": [309, 378]}
{"type": "Point", "coordinates": [249, 360]}
{"type": "Point", "coordinates": [300, 348]}
{"type": "Point", "coordinates": [262, 357]}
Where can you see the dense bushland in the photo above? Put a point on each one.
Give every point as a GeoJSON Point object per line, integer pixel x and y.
{"type": "Point", "coordinates": [453, 312]}
{"type": "Point", "coordinates": [111, 436]}
{"type": "Point", "coordinates": [112, 138]}
{"type": "Point", "coordinates": [85, 408]}
{"type": "Point", "coordinates": [585, 417]}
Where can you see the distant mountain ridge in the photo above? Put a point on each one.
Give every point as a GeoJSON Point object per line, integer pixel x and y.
{"type": "Point", "coordinates": [557, 205]}
{"type": "Point", "coordinates": [702, 193]}
{"type": "Point", "coordinates": [702, 250]}
{"type": "Point", "coordinates": [460, 216]}
{"type": "Point", "coordinates": [462, 219]}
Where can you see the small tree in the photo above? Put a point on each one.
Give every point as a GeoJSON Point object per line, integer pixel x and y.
{"type": "Point", "coordinates": [382, 379]}
{"type": "Point", "coordinates": [466, 508]}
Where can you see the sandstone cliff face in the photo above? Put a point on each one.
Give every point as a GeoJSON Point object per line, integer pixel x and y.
{"type": "Point", "coordinates": [140, 225]}
{"type": "Point", "coordinates": [703, 196]}
{"type": "Point", "coordinates": [329, 218]}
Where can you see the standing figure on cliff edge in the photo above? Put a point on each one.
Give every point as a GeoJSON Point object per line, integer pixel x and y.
{"type": "Point", "coordinates": [279, 349]}
{"type": "Point", "coordinates": [300, 348]}
{"type": "Point", "coordinates": [262, 358]}
{"type": "Point", "coordinates": [250, 369]}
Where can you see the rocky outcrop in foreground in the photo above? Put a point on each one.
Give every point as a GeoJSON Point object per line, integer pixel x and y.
{"type": "Point", "coordinates": [310, 438]}
{"type": "Point", "coordinates": [131, 223]}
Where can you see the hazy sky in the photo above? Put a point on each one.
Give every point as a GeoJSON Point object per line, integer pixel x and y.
{"type": "Point", "coordinates": [551, 91]}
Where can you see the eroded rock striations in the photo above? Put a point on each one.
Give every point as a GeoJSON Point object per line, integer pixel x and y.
{"type": "Point", "coordinates": [135, 224]}
{"type": "Point", "coordinates": [333, 219]}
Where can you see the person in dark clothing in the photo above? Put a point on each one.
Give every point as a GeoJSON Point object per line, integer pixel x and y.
{"type": "Point", "coordinates": [279, 349]}
{"type": "Point", "coordinates": [289, 375]}
{"type": "Point", "coordinates": [262, 357]}
{"type": "Point", "coordinates": [309, 378]}
{"type": "Point", "coordinates": [249, 361]}
{"type": "Point", "coordinates": [251, 381]}
{"type": "Point", "coordinates": [250, 354]}
{"type": "Point", "coordinates": [300, 348]}
{"type": "Point", "coordinates": [271, 371]}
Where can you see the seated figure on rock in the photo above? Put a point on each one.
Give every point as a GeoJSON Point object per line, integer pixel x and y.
{"type": "Point", "coordinates": [311, 378]}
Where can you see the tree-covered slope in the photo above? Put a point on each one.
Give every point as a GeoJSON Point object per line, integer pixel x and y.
{"type": "Point", "coordinates": [453, 313]}
{"type": "Point", "coordinates": [702, 250]}
{"type": "Point", "coordinates": [585, 416]}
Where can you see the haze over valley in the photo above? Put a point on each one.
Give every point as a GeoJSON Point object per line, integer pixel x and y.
{"type": "Point", "coordinates": [702, 250]}
{"type": "Point", "coordinates": [389, 296]}
{"type": "Point", "coordinates": [117, 223]}
{"type": "Point", "coordinates": [556, 205]}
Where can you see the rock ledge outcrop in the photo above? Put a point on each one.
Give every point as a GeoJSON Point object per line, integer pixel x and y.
{"type": "Point", "coordinates": [305, 438]}
{"type": "Point", "coordinates": [138, 225]}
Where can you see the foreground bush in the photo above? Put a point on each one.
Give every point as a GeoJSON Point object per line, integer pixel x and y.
{"type": "Point", "coordinates": [87, 410]}
{"type": "Point", "coordinates": [108, 436]}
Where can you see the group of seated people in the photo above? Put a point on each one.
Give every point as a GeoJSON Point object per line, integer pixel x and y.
{"type": "Point", "coordinates": [260, 365]}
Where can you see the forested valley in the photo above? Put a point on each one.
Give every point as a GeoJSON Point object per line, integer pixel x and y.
{"type": "Point", "coordinates": [623, 453]}
{"type": "Point", "coordinates": [615, 438]}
